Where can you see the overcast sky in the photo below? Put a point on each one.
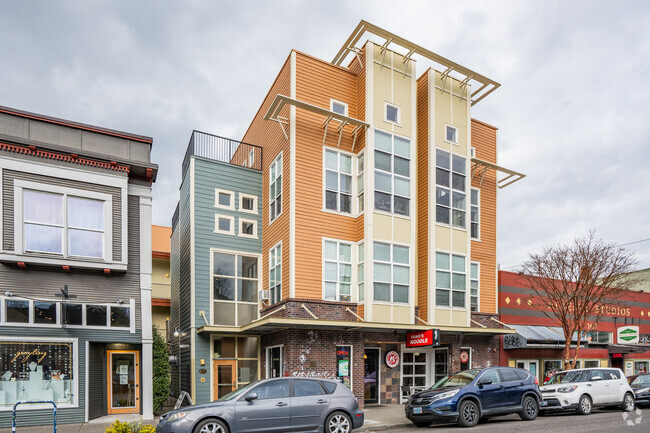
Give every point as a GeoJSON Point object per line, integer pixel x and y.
{"type": "Point", "coordinates": [573, 109]}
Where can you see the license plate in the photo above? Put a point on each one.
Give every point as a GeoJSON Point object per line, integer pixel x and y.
{"type": "Point", "coordinates": [544, 403]}
{"type": "Point", "coordinates": [417, 410]}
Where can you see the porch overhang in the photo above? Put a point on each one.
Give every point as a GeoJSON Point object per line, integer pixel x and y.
{"type": "Point", "coordinates": [270, 324]}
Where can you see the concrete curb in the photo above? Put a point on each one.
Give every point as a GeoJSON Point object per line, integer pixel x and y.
{"type": "Point", "coordinates": [382, 427]}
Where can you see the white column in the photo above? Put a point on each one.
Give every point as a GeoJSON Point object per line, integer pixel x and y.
{"type": "Point", "coordinates": [145, 304]}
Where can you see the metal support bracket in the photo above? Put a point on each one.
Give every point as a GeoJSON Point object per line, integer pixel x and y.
{"type": "Point", "coordinates": [383, 50]}
{"type": "Point", "coordinates": [326, 123]}
{"type": "Point", "coordinates": [354, 314]}
{"type": "Point", "coordinates": [476, 323]}
{"type": "Point", "coordinates": [355, 132]}
{"type": "Point", "coordinates": [423, 321]}
{"type": "Point", "coordinates": [407, 57]}
{"type": "Point", "coordinates": [304, 307]}
{"type": "Point", "coordinates": [340, 129]}
{"type": "Point", "coordinates": [282, 121]}
{"type": "Point", "coordinates": [463, 85]}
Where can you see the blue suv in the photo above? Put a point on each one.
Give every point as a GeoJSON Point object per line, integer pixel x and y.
{"type": "Point", "coordinates": [473, 395]}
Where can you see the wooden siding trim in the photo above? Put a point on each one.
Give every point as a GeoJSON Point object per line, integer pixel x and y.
{"type": "Point", "coordinates": [422, 194]}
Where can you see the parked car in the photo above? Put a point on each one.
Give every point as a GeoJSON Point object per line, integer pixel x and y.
{"type": "Point", "coordinates": [471, 395]}
{"type": "Point", "coordinates": [641, 386]}
{"type": "Point", "coordinates": [585, 388]}
{"type": "Point", "coordinates": [272, 406]}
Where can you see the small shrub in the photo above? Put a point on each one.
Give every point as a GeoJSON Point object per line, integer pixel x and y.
{"type": "Point", "coordinates": [147, 428]}
{"type": "Point", "coordinates": [130, 427]}
{"type": "Point", "coordinates": [161, 382]}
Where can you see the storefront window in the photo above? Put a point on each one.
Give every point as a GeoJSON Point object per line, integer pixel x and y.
{"type": "Point", "coordinates": [17, 311]}
{"type": "Point", "coordinates": [640, 367]}
{"type": "Point", "coordinates": [343, 365]}
{"type": "Point", "coordinates": [414, 370]}
{"type": "Point", "coordinates": [36, 371]}
{"type": "Point", "coordinates": [550, 368]}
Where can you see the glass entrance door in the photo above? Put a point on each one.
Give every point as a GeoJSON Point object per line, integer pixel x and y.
{"type": "Point", "coordinates": [225, 380]}
{"type": "Point", "coordinates": [530, 366]}
{"type": "Point", "coordinates": [123, 381]}
{"type": "Point", "coordinates": [371, 376]}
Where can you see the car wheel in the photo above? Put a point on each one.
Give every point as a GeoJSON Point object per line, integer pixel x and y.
{"type": "Point", "coordinates": [584, 405]}
{"type": "Point", "coordinates": [530, 409]}
{"type": "Point", "coordinates": [338, 422]}
{"type": "Point", "coordinates": [468, 414]}
{"type": "Point", "coordinates": [628, 403]}
{"type": "Point", "coordinates": [421, 424]}
{"type": "Point", "coordinates": [211, 425]}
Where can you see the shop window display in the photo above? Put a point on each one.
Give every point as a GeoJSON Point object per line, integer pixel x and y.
{"type": "Point", "coordinates": [550, 368]}
{"type": "Point", "coordinates": [36, 371]}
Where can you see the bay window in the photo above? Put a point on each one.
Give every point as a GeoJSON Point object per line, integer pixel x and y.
{"type": "Point", "coordinates": [391, 273]}
{"type": "Point", "coordinates": [392, 173]}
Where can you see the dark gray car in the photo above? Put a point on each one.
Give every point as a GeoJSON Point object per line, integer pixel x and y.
{"type": "Point", "coordinates": [277, 405]}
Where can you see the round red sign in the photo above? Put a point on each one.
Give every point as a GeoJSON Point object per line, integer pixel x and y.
{"type": "Point", "coordinates": [464, 357]}
{"type": "Point", "coordinates": [392, 359]}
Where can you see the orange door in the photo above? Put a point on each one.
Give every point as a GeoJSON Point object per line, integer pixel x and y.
{"type": "Point", "coordinates": [123, 381]}
{"type": "Point", "coordinates": [224, 374]}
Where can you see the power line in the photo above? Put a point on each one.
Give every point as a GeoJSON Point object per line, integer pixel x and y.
{"type": "Point", "coordinates": [635, 242]}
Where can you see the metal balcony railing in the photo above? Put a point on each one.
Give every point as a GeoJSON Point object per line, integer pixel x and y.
{"type": "Point", "coordinates": [224, 150]}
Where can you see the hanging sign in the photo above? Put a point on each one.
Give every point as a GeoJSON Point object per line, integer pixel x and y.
{"type": "Point", "coordinates": [423, 338]}
{"type": "Point", "coordinates": [627, 335]}
{"type": "Point", "coordinates": [392, 359]}
{"type": "Point", "coordinates": [464, 357]}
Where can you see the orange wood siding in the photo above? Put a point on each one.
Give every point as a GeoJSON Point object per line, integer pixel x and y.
{"type": "Point", "coordinates": [316, 82]}
{"type": "Point", "coordinates": [422, 173]}
{"type": "Point", "coordinates": [360, 72]}
{"type": "Point", "coordinates": [269, 136]}
{"type": "Point", "coordinates": [484, 139]}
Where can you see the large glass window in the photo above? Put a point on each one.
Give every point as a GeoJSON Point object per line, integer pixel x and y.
{"type": "Point", "coordinates": [63, 224]}
{"type": "Point", "coordinates": [450, 189]}
{"type": "Point", "coordinates": [450, 280]}
{"type": "Point", "coordinates": [391, 273]}
{"type": "Point", "coordinates": [41, 312]}
{"type": "Point", "coordinates": [37, 371]}
{"type": "Point", "coordinates": [361, 271]}
{"type": "Point", "coordinates": [360, 186]}
{"type": "Point", "coordinates": [392, 173]}
{"type": "Point", "coordinates": [338, 181]}
{"type": "Point", "coordinates": [275, 273]}
{"type": "Point", "coordinates": [474, 288]}
{"type": "Point", "coordinates": [475, 213]}
{"type": "Point", "coordinates": [337, 271]}
{"type": "Point", "coordinates": [414, 370]}
{"type": "Point", "coordinates": [234, 289]}
{"type": "Point", "coordinates": [17, 311]}
{"type": "Point", "coordinates": [275, 188]}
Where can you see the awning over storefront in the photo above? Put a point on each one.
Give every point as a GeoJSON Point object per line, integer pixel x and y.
{"type": "Point", "coordinates": [538, 335]}
{"type": "Point", "coordinates": [270, 324]}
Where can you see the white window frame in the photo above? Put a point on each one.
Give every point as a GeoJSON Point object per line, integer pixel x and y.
{"type": "Point", "coordinates": [360, 277]}
{"type": "Point", "coordinates": [337, 102]}
{"type": "Point", "coordinates": [393, 177]}
{"type": "Point", "coordinates": [478, 214]}
{"type": "Point", "coordinates": [253, 197]}
{"type": "Point", "coordinates": [392, 282]}
{"type": "Point", "coordinates": [353, 160]}
{"type": "Point", "coordinates": [272, 200]}
{"type": "Point", "coordinates": [429, 372]}
{"type": "Point", "coordinates": [338, 262]}
{"type": "Point", "coordinates": [447, 127]}
{"type": "Point", "coordinates": [231, 218]}
{"type": "Point", "coordinates": [478, 286]}
{"type": "Point", "coordinates": [450, 208]}
{"type": "Point", "coordinates": [359, 186]}
{"type": "Point", "coordinates": [19, 226]}
{"type": "Point", "coordinates": [218, 191]}
{"type": "Point", "coordinates": [236, 278]}
{"type": "Point", "coordinates": [469, 352]}
{"type": "Point", "coordinates": [399, 113]}
{"type": "Point", "coordinates": [278, 265]}
{"type": "Point", "coordinates": [267, 368]}
{"type": "Point", "coordinates": [241, 228]}
{"type": "Point", "coordinates": [451, 273]}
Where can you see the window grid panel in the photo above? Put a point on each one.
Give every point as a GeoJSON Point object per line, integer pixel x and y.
{"type": "Point", "coordinates": [338, 181]}
{"type": "Point", "coordinates": [450, 280]}
{"type": "Point", "coordinates": [235, 280]}
{"type": "Point", "coordinates": [275, 274]}
{"type": "Point", "coordinates": [475, 201]}
{"type": "Point", "coordinates": [391, 277]}
{"type": "Point", "coordinates": [337, 274]}
{"type": "Point", "coordinates": [451, 180]}
{"type": "Point", "coordinates": [392, 174]}
{"type": "Point", "coordinates": [275, 189]}
{"type": "Point", "coordinates": [474, 286]}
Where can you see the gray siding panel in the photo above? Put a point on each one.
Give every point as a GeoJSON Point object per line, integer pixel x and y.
{"type": "Point", "coordinates": [8, 177]}
{"type": "Point", "coordinates": [97, 381]}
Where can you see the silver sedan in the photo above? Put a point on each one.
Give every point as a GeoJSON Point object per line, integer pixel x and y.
{"type": "Point", "coordinates": [277, 405]}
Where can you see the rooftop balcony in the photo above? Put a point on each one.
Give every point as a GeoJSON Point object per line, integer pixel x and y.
{"type": "Point", "coordinates": [222, 149]}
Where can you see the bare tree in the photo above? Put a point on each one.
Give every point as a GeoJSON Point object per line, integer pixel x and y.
{"type": "Point", "coordinates": [571, 281]}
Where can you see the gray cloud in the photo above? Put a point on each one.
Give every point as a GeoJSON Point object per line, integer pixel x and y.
{"type": "Point", "coordinates": [571, 110]}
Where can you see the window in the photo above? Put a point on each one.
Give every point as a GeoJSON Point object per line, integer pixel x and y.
{"type": "Point", "coordinates": [465, 362]}
{"type": "Point", "coordinates": [224, 199]}
{"type": "Point", "coordinates": [451, 134]}
{"type": "Point", "coordinates": [391, 273]}
{"type": "Point", "coordinates": [491, 375]}
{"type": "Point", "coordinates": [474, 213]}
{"type": "Point", "coordinates": [474, 290]}
{"type": "Point", "coordinates": [338, 181]}
{"type": "Point", "coordinates": [17, 311]}
{"type": "Point", "coordinates": [247, 228]}
{"type": "Point", "coordinates": [120, 317]}
{"type": "Point", "coordinates": [339, 107]}
{"type": "Point", "coordinates": [72, 314]}
{"type": "Point", "coordinates": [306, 388]}
{"type": "Point", "coordinates": [275, 273]}
{"type": "Point", "coordinates": [274, 362]}
{"type": "Point", "coordinates": [508, 375]}
{"type": "Point", "coordinates": [244, 353]}
{"type": "Point", "coordinates": [330, 387]}
{"type": "Point", "coordinates": [414, 370]}
{"type": "Point", "coordinates": [360, 168]}
{"type": "Point", "coordinates": [275, 188]}
{"type": "Point", "coordinates": [392, 173]}
{"type": "Point", "coordinates": [273, 389]}
{"type": "Point", "coordinates": [392, 113]}
{"type": "Point", "coordinates": [45, 312]}
{"type": "Point", "coordinates": [361, 272]}
{"type": "Point", "coordinates": [337, 271]}
{"type": "Point", "coordinates": [234, 289]}
{"type": "Point", "coordinates": [65, 224]}
{"type": "Point", "coordinates": [247, 203]}
{"type": "Point", "coordinates": [224, 224]}
{"type": "Point", "coordinates": [599, 336]}
{"type": "Point", "coordinates": [96, 315]}
{"type": "Point", "coordinates": [450, 280]}
{"type": "Point", "coordinates": [450, 189]}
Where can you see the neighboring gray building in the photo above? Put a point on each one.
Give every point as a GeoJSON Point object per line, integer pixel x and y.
{"type": "Point", "coordinates": [216, 261]}
{"type": "Point", "coordinates": [76, 215]}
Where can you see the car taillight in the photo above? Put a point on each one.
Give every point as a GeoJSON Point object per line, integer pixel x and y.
{"type": "Point", "coordinates": [536, 381]}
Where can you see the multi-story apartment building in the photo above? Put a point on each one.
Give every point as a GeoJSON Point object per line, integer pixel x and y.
{"type": "Point", "coordinates": [374, 229]}
{"type": "Point", "coordinates": [75, 269]}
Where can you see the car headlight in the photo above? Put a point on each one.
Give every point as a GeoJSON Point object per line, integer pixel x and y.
{"type": "Point", "coordinates": [445, 395]}
{"type": "Point", "coordinates": [567, 389]}
{"type": "Point", "coordinates": [641, 390]}
{"type": "Point", "coordinates": [176, 416]}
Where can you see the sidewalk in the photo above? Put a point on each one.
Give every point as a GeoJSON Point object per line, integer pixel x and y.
{"type": "Point", "coordinates": [384, 417]}
{"type": "Point", "coordinates": [97, 425]}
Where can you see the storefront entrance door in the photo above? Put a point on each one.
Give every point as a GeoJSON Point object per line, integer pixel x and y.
{"type": "Point", "coordinates": [123, 381]}
{"type": "Point", "coordinates": [371, 376]}
{"type": "Point", "coordinates": [225, 379]}
{"type": "Point", "coordinates": [530, 366]}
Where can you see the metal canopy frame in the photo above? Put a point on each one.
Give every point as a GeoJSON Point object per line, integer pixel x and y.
{"type": "Point", "coordinates": [486, 85]}
{"type": "Point", "coordinates": [273, 113]}
{"type": "Point", "coordinates": [480, 167]}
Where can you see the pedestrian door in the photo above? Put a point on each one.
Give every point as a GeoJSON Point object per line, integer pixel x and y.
{"type": "Point", "coordinates": [123, 381]}
{"type": "Point", "coordinates": [224, 376]}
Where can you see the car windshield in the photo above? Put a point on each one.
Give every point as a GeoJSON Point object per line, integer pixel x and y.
{"type": "Point", "coordinates": [236, 392]}
{"type": "Point", "coordinates": [459, 379]}
{"type": "Point", "coordinates": [556, 378]}
{"type": "Point", "coordinates": [642, 380]}
{"type": "Point", "coordinates": [569, 377]}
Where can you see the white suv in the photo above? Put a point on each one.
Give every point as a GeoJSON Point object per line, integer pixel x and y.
{"type": "Point", "coordinates": [584, 388]}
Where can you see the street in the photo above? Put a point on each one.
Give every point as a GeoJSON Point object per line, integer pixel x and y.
{"type": "Point", "coordinates": [601, 421]}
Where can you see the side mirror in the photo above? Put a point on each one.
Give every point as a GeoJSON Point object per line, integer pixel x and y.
{"type": "Point", "coordinates": [594, 379]}
{"type": "Point", "coordinates": [485, 381]}
{"type": "Point", "coordinates": [250, 397]}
